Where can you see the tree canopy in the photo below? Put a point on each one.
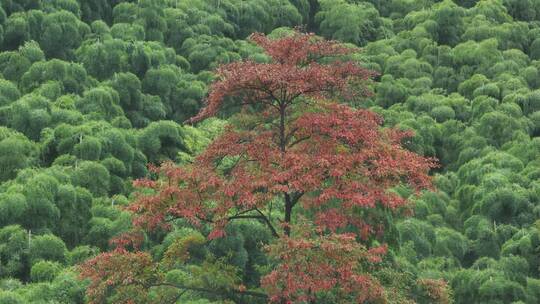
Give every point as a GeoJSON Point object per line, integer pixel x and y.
{"type": "Point", "coordinates": [104, 103]}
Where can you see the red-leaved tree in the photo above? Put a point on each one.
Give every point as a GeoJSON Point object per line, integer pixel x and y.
{"type": "Point", "coordinates": [315, 172]}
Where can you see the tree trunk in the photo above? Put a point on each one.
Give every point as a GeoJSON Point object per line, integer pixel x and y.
{"type": "Point", "coordinates": [288, 212]}
{"type": "Point", "coordinates": [283, 148]}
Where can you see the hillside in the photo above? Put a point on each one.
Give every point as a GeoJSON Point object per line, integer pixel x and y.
{"type": "Point", "coordinates": [93, 93]}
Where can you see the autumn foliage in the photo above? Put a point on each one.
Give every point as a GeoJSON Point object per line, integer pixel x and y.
{"type": "Point", "coordinates": [294, 73]}
{"type": "Point", "coordinates": [292, 153]}
{"type": "Point", "coordinates": [128, 272]}
{"type": "Point", "coordinates": [312, 263]}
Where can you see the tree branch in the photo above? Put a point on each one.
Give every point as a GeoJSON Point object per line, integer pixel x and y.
{"type": "Point", "coordinates": [298, 141]}
{"type": "Point", "coordinates": [268, 223]}
{"type": "Point", "coordinates": [211, 291]}
{"type": "Point", "coordinates": [261, 216]}
{"type": "Point", "coordinates": [178, 296]}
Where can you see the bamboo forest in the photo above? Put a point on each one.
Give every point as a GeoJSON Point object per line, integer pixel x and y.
{"type": "Point", "coordinates": [269, 151]}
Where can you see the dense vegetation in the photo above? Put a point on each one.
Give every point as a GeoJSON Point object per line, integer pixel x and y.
{"type": "Point", "coordinates": [324, 169]}
{"type": "Point", "coordinates": [92, 91]}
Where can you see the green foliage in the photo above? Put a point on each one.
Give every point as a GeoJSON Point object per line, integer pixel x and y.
{"type": "Point", "coordinates": [44, 271]}
{"type": "Point", "coordinates": [16, 152]}
{"type": "Point", "coordinates": [102, 60]}
{"type": "Point", "coordinates": [13, 251]}
{"type": "Point", "coordinates": [74, 204]}
{"type": "Point", "coordinates": [71, 76]}
{"type": "Point", "coordinates": [62, 32]}
{"type": "Point", "coordinates": [161, 141]}
{"type": "Point", "coordinates": [93, 176]}
{"type": "Point", "coordinates": [47, 247]}
{"type": "Point", "coordinates": [102, 103]}
{"type": "Point", "coordinates": [354, 23]}
{"type": "Point", "coordinates": [9, 297]}
{"type": "Point", "coordinates": [80, 253]}
{"type": "Point", "coordinates": [91, 91]}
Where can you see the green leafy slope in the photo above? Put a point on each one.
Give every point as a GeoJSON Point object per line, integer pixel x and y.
{"type": "Point", "coordinates": [92, 91]}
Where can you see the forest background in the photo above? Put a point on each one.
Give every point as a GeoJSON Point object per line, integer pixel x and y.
{"type": "Point", "coordinates": [92, 91]}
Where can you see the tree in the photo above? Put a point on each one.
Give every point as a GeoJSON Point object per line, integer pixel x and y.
{"type": "Point", "coordinates": [16, 152]}
{"type": "Point", "coordinates": [13, 65]}
{"type": "Point", "coordinates": [44, 271]}
{"type": "Point", "coordinates": [61, 33]}
{"type": "Point", "coordinates": [449, 18]}
{"type": "Point", "coordinates": [103, 59]}
{"type": "Point", "coordinates": [11, 6]}
{"type": "Point", "coordinates": [298, 153]}
{"type": "Point", "coordinates": [13, 251]}
{"type": "Point", "coordinates": [498, 127]}
{"type": "Point", "coordinates": [16, 31]}
{"type": "Point", "coordinates": [128, 87]}
{"type": "Point", "coordinates": [72, 76]}
{"type": "Point", "coordinates": [205, 52]}
{"type": "Point", "coordinates": [74, 205]}
{"type": "Point", "coordinates": [8, 92]}
{"type": "Point", "coordinates": [354, 23]}
{"type": "Point", "coordinates": [10, 297]}
{"type": "Point", "coordinates": [96, 10]}
{"type": "Point", "coordinates": [527, 10]}
{"type": "Point", "coordinates": [29, 115]}
{"type": "Point", "coordinates": [66, 5]}
{"type": "Point", "coordinates": [161, 141]}
{"type": "Point", "coordinates": [102, 102]}
{"type": "Point", "coordinates": [127, 32]}
{"type": "Point", "coordinates": [47, 247]}
{"type": "Point", "coordinates": [92, 176]}
{"type": "Point", "coordinates": [261, 16]}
